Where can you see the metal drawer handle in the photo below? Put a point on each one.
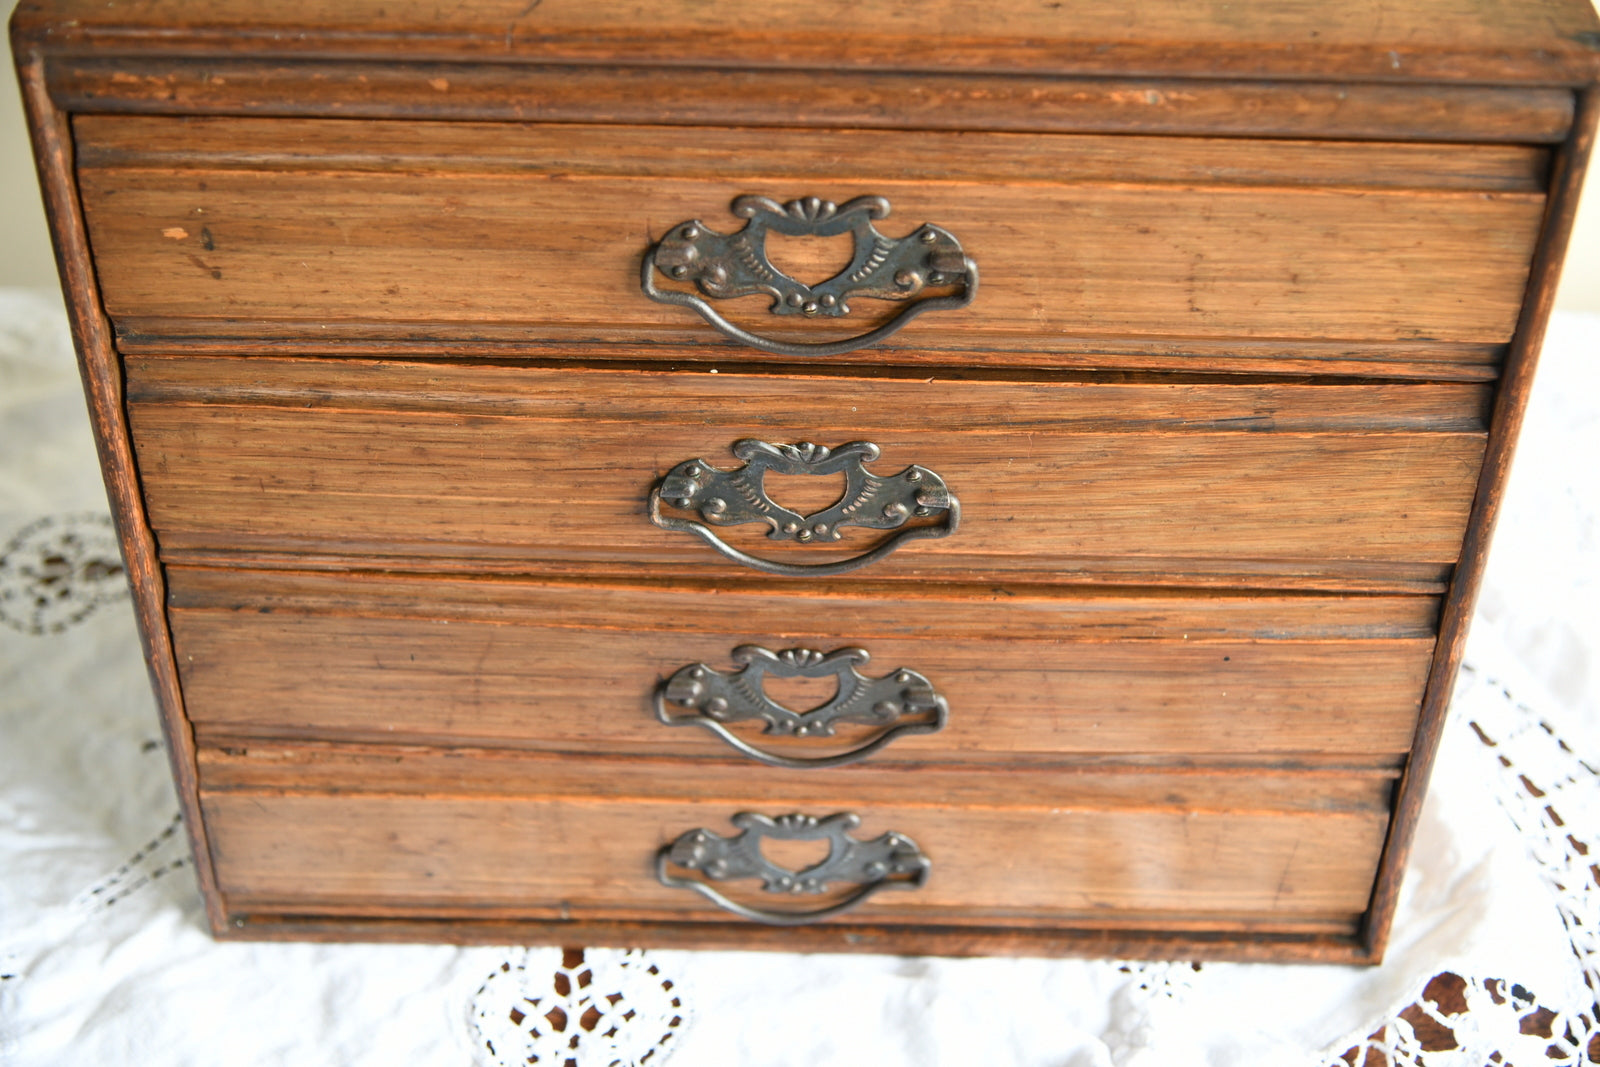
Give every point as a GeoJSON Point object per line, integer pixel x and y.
{"type": "Point", "coordinates": [904, 701]}
{"type": "Point", "coordinates": [889, 861]}
{"type": "Point", "coordinates": [724, 266]}
{"type": "Point", "coordinates": [729, 498]}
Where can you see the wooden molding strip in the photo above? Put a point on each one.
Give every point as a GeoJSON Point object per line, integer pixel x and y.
{"type": "Point", "coordinates": [690, 345]}
{"type": "Point", "coordinates": [1249, 946]}
{"type": "Point", "coordinates": [223, 85]}
{"type": "Point", "coordinates": [1548, 42]}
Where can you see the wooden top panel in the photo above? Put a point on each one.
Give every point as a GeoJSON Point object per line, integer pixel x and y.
{"type": "Point", "coordinates": [1495, 41]}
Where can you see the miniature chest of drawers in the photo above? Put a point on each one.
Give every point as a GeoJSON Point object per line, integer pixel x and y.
{"type": "Point", "coordinates": [576, 488]}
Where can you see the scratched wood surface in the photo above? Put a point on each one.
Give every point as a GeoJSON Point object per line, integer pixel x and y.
{"type": "Point", "coordinates": [394, 459]}
{"type": "Point", "coordinates": [575, 666]}
{"type": "Point", "coordinates": [556, 245]}
{"type": "Point", "coordinates": [1537, 41]}
{"type": "Point", "coordinates": [403, 831]}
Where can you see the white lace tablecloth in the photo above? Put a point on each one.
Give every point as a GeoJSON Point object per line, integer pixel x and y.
{"type": "Point", "coordinates": [104, 957]}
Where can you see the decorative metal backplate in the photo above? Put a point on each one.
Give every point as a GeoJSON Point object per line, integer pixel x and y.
{"type": "Point", "coordinates": [904, 701]}
{"type": "Point", "coordinates": [890, 860]}
{"type": "Point", "coordinates": [732, 265]}
{"type": "Point", "coordinates": [729, 498]}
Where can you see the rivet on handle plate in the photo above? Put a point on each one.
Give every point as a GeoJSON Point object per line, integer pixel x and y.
{"type": "Point", "coordinates": [724, 266]}
{"type": "Point", "coordinates": [729, 498]}
{"type": "Point", "coordinates": [903, 701]}
{"type": "Point", "coordinates": [889, 861]}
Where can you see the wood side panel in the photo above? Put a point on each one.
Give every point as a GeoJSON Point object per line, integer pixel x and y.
{"type": "Point", "coordinates": [1510, 404]}
{"type": "Point", "coordinates": [850, 154]}
{"type": "Point", "coordinates": [1176, 484]}
{"type": "Point", "coordinates": [100, 369]}
{"type": "Point", "coordinates": [1538, 41]}
{"type": "Point", "coordinates": [478, 682]}
{"type": "Point", "coordinates": [562, 252]}
{"type": "Point", "coordinates": [555, 858]}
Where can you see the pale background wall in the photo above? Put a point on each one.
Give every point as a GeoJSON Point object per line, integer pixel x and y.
{"type": "Point", "coordinates": [26, 259]}
{"type": "Point", "coordinates": [25, 256]}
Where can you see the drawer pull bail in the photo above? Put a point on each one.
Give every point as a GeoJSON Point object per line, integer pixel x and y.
{"type": "Point", "coordinates": [730, 498]}
{"type": "Point", "coordinates": [889, 861]}
{"type": "Point", "coordinates": [723, 266]}
{"type": "Point", "coordinates": [903, 701]}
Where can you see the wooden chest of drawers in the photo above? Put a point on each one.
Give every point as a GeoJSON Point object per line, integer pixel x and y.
{"type": "Point", "coordinates": [486, 397]}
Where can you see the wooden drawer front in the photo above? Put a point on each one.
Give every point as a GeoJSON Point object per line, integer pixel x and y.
{"type": "Point", "coordinates": [397, 231]}
{"type": "Point", "coordinates": [1165, 482]}
{"type": "Point", "coordinates": [575, 667]}
{"type": "Point", "coordinates": [440, 834]}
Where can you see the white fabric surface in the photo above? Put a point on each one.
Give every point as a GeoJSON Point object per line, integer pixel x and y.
{"type": "Point", "coordinates": [105, 958]}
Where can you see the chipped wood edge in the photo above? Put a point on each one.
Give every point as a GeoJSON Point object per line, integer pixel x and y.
{"type": "Point", "coordinates": [1506, 424]}
{"type": "Point", "coordinates": [101, 369]}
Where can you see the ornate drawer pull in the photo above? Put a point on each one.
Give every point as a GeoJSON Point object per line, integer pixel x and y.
{"type": "Point", "coordinates": [902, 700]}
{"type": "Point", "coordinates": [734, 265]}
{"type": "Point", "coordinates": [888, 861]}
{"type": "Point", "coordinates": [729, 498]}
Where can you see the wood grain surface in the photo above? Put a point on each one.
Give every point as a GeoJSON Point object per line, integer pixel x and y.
{"type": "Point", "coordinates": [565, 840]}
{"type": "Point", "coordinates": [479, 461]}
{"type": "Point", "coordinates": [865, 100]}
{"type": "Point", "coordinates": [844, 154]}
{"type": "Point", "coordinates": [1533, 41]}
{"type": "Point", "coordinates": [684, 348]}
{"type": "Point", "coordinates": [547, 859]}
{"type": "Point", "coordinates": [1016, 613]}
{"type": "Point", "coordinates": [269, 767]}
{"type": "Point", "coordinates": [557, 245]}
{"type": "Point", "coordinates": [575, 666]}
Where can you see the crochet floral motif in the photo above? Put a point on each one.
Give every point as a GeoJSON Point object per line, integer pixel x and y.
{"type": "Point", "coordinates": [54, 572]}
{"type": "Point", "coordinates": [577, 1008]}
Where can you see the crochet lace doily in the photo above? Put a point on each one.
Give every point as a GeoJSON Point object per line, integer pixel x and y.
{"type": "Point", "coordinates": [1552, 793]}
